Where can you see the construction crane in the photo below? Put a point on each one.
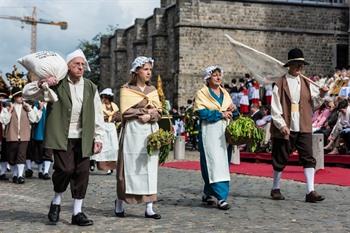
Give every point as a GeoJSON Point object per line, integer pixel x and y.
{"type": "Point", "coordinates": [32, 20]}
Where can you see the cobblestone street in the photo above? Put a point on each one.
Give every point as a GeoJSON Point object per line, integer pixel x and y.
{"type": "Point", "coordinates": [23, 208]}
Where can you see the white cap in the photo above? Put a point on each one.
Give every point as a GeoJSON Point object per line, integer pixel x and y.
{"type": "Point", "coordinates": [209, 70]}
{"type": "Point", "coordinates": [78, 53]}
{"type": "Point", "coordinates": [140, 61]}
{"type": "Point", "coordinates": [107, 91]}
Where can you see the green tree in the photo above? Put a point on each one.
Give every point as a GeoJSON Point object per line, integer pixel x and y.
{"type": "Point", "coordinates": [91, 50]}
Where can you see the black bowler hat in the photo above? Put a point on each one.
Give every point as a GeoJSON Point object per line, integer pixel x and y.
{"type": "Point", "coordinates": [295, 55]}
{"type": "Point", "coordinates": [16, 91]}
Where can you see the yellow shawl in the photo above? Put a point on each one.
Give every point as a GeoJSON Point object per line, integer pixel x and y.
{"type": "Point", "coordinates": [110, 113]}
{"type": "Point", "coordinates": [130, 97]}
{"type": "Point", "coordinates": [204, 100]}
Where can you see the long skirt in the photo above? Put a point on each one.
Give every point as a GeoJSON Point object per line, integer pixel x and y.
{"type": "Point", "coordinates": [214, 159]}
{"type": "Point", "coordinates": [137, 172]}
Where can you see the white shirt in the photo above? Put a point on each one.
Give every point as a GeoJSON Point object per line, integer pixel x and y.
{"type": "Point", "coordinates": [77, 94]}
{"type": "Point", "coordinates": [6, 116]}
{"type": "Point", "coordinates": [32, 90]}
{"type": "Point", "coordinates": [294, 89]}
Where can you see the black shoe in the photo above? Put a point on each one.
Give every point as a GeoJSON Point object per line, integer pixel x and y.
{"type": "Point", "coordinates": [154, 216]}
{"type": "Point", "coordinates": [20, 180]}
{"type": "Point", "coordinates": [223, 205]}
{"type": "Point", "coordinates": [81, 220]}
{"type": "Point", "coordinates": [54, 213]}
{"type": "Point", "coordinates": [4, 178]}
{"type": "Point", "coordinates": [15, 179]}
{"type": "Point", "coordinates": [29, 173]}
{"type": "Point", "coordinates": [314, 197]}
{"type": "Point", "coordinates": [276, 194]}
{"type": "Point", "coordinates": [40, 175]}
{"type": "Point", "coordinates": [118, 214]}
{"type": "Point", "coordinates": [46, 176]}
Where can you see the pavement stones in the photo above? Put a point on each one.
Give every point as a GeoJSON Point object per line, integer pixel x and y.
{"type": "Point", "coordinates": [24, 208]}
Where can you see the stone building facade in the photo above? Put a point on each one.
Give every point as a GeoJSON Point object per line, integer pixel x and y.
{"type": "Point", "coordinates": [185, 36]}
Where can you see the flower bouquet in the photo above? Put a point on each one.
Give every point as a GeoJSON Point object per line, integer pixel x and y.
{"type": "Point", "coordinates": [244, 131]}
{"type": "Point", "coordinates": [161, 141]}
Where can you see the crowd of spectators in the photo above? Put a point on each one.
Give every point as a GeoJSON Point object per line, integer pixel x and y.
{"type": "Point", "coordinates": [331, 118]}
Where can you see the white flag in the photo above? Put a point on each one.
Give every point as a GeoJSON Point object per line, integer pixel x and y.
{"type": "Point", "coordinates": [263, 67]}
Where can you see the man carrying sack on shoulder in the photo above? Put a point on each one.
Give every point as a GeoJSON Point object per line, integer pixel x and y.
{"type": "Point", "coordinates": [74, 131]}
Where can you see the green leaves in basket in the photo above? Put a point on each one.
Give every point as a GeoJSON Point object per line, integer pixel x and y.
{"type": "Point", "coordinates": [161, 141]}
{"type": "Point", "coordinates": [244, 130]}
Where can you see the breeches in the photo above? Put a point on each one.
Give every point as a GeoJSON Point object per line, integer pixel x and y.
{"type": "Point", "coordinates": [71, 168]}
{"type": "Point", "coordinates": [282, 148]}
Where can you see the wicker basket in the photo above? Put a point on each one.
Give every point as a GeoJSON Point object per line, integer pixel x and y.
{"type": "Point", "coordinates": [236, 141]}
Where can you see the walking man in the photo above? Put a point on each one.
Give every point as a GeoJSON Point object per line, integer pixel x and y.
{"type": "Point", "coordinates": [74, 132]}
{"type": "Point", "coordinates": [291, 111]}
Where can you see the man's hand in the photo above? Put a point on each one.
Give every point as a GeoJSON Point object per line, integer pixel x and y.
{"type": "Point", "coordinates": [97, 147]}
{"type": "Point", "coordinates": [51, 81]}
{"type": "Point", "coordinates": [145, 118]}
{"type": "Point", "coordinates": [285, 131]}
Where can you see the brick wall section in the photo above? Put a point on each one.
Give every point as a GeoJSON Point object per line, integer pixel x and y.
{"type": "Point", "coordinates": [189, 36]}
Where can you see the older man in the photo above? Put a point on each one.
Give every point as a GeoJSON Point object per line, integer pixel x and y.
{"type": "Point", "coordinates": [73, 131]}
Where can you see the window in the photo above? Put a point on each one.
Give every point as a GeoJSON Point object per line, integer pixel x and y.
{"type": "Point", "coordinates": [342, 55]}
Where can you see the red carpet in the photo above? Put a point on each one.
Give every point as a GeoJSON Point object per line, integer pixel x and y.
{"type": "Point", "coordinates": [330, 175]}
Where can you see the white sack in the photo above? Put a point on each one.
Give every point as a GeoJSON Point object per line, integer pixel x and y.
{"type": "Point", "coordinates": [45, 64]}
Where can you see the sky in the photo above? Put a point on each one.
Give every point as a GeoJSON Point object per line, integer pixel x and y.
{"type": "Point", "coordinates": [86, 18]}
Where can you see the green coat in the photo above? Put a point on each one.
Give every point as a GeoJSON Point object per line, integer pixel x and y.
{"type": "Point", "coordinates": [59, 115]}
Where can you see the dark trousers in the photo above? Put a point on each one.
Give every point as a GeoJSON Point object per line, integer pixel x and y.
{"type": "Point", "coordinates": [37, 152]}
{"type": "Point", "coordinates": [3, 156]}
{"type": "Point", "coordinates": [71, 168]}
{"type": "Point", "coordinates": [16, 152]}
{"type": "Point", "coordinates": [282, 148]}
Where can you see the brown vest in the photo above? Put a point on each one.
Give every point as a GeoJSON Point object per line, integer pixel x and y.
{"type": "Point", "coordinates": [305, 107]}
{"type": "Point", "coordinates": [11, 130]}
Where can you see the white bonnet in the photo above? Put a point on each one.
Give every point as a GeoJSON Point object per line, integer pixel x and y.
{"type": "Point", "coordinates": [209, 70]}
{"type": "Point", "coordinates": [107, 91]}
{"type": "Point", "coordinates": [140, 61]}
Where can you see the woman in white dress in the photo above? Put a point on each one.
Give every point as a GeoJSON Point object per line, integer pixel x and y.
{"type": "Point", "coordinates": [137, 172]}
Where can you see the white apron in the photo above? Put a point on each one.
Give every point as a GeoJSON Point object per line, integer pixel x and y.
{"type": "Point", "coordinates": [110, 144]}
{"type": "Point", "coordinates": [215, 149]}
{"type": "Point", "coordinates": [140, 169]}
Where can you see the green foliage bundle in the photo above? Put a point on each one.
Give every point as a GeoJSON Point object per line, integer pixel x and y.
{"type": "Point", "coordinates": [162, 140]}
{"type": "Point", "coordinates": [244, 131]}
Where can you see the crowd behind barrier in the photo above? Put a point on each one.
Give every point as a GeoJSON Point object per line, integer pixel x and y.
{"type": "Point", "coordinates": [331, 118]}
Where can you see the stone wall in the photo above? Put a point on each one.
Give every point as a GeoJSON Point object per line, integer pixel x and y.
{"type": "Point", "coordinates": [188, 36]}
{"type": "Point", "coordinates": [269, 27]}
